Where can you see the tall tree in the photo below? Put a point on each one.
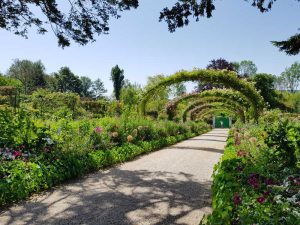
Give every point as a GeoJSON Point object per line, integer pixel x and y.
{"type": "Point", "coordinates": [291, 77]}
{"type": "Point", "coordinates": [81, 20]}
{"type": "Point", "coordinates": [265, 83]}
{"type": "Point", "coordinates": [67, 81]}
{"type": "Point", "coordinates": [246, 68]}
{"type": "Point", "coordinates": [98, 89]}
{"type": "Point", "coordinates": [31, 74]}
{"type": "Point", "coordinates": [158, 102]}
{"type": "Point", "coordinates": [86, 86]}
{"type": "Point", "coordinates": [117, 77]}
{"type": "Point", "coordinates": [130, 94]}
{"type": "Point", "coordinates": [178, 89]}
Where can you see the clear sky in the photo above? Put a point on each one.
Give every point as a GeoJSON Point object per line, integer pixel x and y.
{"type": "Point", "coordinates": [143, 47]}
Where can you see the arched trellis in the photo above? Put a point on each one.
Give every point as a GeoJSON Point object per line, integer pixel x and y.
{"type": "Point", "coordinates": [227, 78]}
{"type": "Point", "coordinates": [215, 105]}
{"type": "Point", "coordinates": [216, 93]}
{"type": "Point", "coordinates": [227, 102]}
{"type": "Point", "coordinates": [208, 111]}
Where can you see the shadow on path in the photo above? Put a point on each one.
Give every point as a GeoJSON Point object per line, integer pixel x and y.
{"type": "Point", "coordinates": [116, 197]}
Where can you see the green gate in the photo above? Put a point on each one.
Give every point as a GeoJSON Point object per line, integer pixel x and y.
{"type": "Point", "coordinates": [221, 122]}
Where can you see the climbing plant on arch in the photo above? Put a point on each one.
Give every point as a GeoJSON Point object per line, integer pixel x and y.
{"type": "Point", "coordinates": [214, 93]}
{"type": "Point", "coordinates": [226, 103]}
{"type": "Point", "coordinates": [215, 105]}
{"type": "Point", "coordinates": [227, 78]}
{"type": "Point", "coordinates": [209, 111]}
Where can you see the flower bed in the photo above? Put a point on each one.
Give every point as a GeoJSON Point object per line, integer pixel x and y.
{"type": "Point", "coordinates": [36, 155]}
{"type": "Point", "coordinates": [258, 178]}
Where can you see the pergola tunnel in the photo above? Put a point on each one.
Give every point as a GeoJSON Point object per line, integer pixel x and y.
{"type": "Point", "coordinates": [237, 97]}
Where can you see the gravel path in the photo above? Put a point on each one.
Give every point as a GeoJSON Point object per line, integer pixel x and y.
{"type": "Point", "coordinates": [170, 186]}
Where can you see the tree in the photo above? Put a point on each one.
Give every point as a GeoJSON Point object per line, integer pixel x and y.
{"type": "Point", "coordinates": [98, 89]}
{"type": "Point", "coordinates": [215, 64]}
{"type": "Point", "coordinates": [68, 81]}
{"type": "Point", "coordinates": [84, 19]}
{"type": "Point", "coordinates": [246, 68]}
{"type": "Point", "coordinates": [81, 21]}
{"type": "Point", "coordinates": [158, 102]}
{"type": "Point", "coordinates": [117, 77]}
{"type": "Point", "coordinates": [179, 16]}
{"type": "Point", "coordinates": [86, 86]}
{"type": "Point", "coordinates": [291, 77]}
{"type": "Point", "coordinates": [130, 94]}
{"type": "Point", "coordinates": [220, 64]}
{"type": "Point", "coordinates": [265, 83]}
{"type": "Point", "coordinates": [31, 74]}
{"type": "Point", "coordinates": [178, 89]}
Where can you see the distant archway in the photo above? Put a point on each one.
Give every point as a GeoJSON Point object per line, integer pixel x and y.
{"type": "Point", "coordinates": [227, 78]}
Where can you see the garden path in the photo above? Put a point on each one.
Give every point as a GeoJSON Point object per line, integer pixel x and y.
{"type": "Point", "coordinates": [170, 186]}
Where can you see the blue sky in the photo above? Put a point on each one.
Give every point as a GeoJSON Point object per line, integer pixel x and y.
{"type": "Point", "coordinates": [143, 47]}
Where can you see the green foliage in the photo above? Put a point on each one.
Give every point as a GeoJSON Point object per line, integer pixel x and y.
{"type": "Point", "coordinates": [246, 68]}
{"type": "Point", "coordinates": [291, 100]}
{"type": "Point", "coordinates": [227, 78]}
{"type": "Point", "coordinates": [55, 104]}
{"type": "Point", "coordinates": [98, 89]}
{"type": "Point", "coordinates": [117, 77]}
{"type": "Point", "coordinates": [37, 155]}
{"type": "Point", "coordinates": [225, 94]}
{"type": "Point", "coordinates": [161, 96]}
{"type": "Point", "coordinates": [67, 81]}
{"type": "Point", "coordinates": [214, 102]}
{"type": "Point", "coordinates": [264, 83]}
{"type": "Point", "coordinates": [291, 77]}
{"type": "Point", "coordinates": [30, 74]}
{"type": "Point", "coordinates": [97, 108]}
{"type": "Point", "coordinates": [256, 167]}
{"type": "Point", "coordinates": [130, 95]}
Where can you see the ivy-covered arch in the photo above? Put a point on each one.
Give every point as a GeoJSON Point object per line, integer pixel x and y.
{"type": "Point", "coordinates": [227, 103]}
{"type": "Point", "coordinates": [214, 93]}
{"type": "Point", "coordinates": [215, 105]}
{"type": "Point", "coordinates": [228, 78]}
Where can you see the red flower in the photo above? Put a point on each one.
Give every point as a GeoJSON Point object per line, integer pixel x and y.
{"type": "Point", "coordinates": [237, 199]}
{"type": "Point", "coordinates": [260, 199]}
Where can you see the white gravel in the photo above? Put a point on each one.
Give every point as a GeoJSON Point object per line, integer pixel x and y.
{"type": "Point", "coordinates": [170, 186]}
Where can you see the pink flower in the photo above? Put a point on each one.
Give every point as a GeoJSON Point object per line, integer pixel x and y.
{"type": "Point", "coordinates": [237, 199]}
{"type": "Point", "coordinates": [241, 153]}
{"type": "Point", "coordinates": [17, 153]}
{"type": "Point", "coordinates": [260, 199]}
{"type": "Point", "coordinates": [98, 129]}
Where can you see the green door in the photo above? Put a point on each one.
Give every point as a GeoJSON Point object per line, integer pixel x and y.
{"type": "Point", "coordinates": [222, 122]}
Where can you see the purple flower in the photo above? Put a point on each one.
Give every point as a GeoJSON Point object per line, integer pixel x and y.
{"type": "Point", "coordinates": [260, 199]}
{"type": "Point", "coordinates": [254, 180]}
{"type": "Point", "coordinates": [237, 199]}
{"type": "Point", "coordinates": [98, 129]}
